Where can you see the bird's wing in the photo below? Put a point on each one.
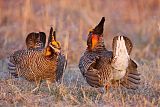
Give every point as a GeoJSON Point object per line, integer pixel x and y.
{"type": "Point", "coordinates": [88, 66]}
{"type": "Point", "coordinates": [62, 63]}
{"type": "Point", "coordinates": [93, 78]}
{"type": "Point", "coordinates": [132, 78]}
{"type": "Point", "coordinates": [86, 61]}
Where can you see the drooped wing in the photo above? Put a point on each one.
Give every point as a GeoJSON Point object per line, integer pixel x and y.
{"type": "Point", "coordinates": [62, 63]}
{"type": "Point", "coordinates": [36, 40]}
{"type": "Point", "coordinates": [86, 61]}
{"type": "Point", "coordinates": [93, 78]}
{"type": "Point", "coordinates": [132, 78]}
{"type": "Point", "coordinates": [88, 67]}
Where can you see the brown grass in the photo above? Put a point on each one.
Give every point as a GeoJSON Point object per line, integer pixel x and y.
{"type": "Point", "coordinates": [138, 19]}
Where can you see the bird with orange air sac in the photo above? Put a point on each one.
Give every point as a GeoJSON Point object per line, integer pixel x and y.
{"type": "Point", "coordinates": [103, 68]}
{"type": "Point", "coordinates": [39, 64]}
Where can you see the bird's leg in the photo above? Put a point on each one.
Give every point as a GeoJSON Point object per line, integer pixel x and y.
{"type": "Point", "coordinates": [48, 84]}
{"type": "Point", "coordinates": [38, 83]}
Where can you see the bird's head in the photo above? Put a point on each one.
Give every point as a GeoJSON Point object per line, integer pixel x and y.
{"type": "Point", "coordinates": [95, 35]}
{"type": "Point", "coordinates": [53, 46]}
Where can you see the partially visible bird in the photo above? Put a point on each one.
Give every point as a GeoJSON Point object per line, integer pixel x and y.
{"type": "Point", "coordinates": [103, 68]}
{"type": "Point", "coordinates": [38, 64]}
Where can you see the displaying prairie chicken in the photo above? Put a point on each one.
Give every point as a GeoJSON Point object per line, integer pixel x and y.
{"type": "Point", "coordinates": [38, 64]}
{"type": "Point", "coordinates": [102, 68]}
{"type": "Point", "coordinates": [37, 41]}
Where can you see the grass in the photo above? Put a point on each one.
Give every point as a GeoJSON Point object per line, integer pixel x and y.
{"type": "Point", "coordinates": [139, 20]}
{"type": "Point", "coordinates": [74, 91]}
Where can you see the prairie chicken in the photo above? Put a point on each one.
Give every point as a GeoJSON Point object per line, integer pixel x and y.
{"type": "Point", "coordinates": [102, 68]}
{"type": "Point", "coordinates": [38, 64]}
{"type": "Point", "coordinates": [37, 41]}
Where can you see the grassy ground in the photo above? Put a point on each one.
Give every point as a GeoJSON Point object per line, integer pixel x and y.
{"type": "Point", "coordinates": [139, 20]}
{"type": "Point", "coordinates": [74, 91]}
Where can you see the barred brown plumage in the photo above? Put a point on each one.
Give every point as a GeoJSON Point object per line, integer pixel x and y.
{"type": "Point", "coordinates": [37, 41]}
{"type": "Point", "coordinates": [38, 64]}
{"type": "Point", "coordinates": [101, 67]}
{"type": "Point", "coordinates": [33, 41]}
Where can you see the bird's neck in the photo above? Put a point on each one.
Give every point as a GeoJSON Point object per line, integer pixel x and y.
{"type": "Point", "coordinates": [99, 47]}
{"type": "Point", "coordinates": [49, 53]}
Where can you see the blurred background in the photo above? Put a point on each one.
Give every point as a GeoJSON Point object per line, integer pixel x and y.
{"type": "Point", "coordinates": [137, 19]}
